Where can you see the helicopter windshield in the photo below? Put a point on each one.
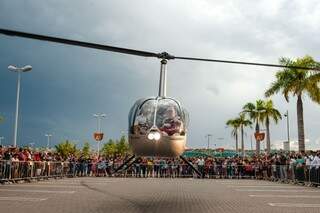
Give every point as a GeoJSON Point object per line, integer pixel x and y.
{"type": "Point", "coordinates": [171, 119]}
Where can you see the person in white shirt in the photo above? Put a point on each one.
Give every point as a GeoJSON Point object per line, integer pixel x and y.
{"type": "Point", "coordinates": [314, 171]}
{"type": "Point", "coordinates": [200, 162]}
{"type": "Point", "coordinates": [316, 161]}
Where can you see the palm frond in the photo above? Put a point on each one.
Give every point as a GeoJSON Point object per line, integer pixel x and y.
{"type": "Point", "coordinates": [313, 91]}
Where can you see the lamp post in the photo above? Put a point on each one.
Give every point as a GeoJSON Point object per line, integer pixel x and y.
{"type": "Point", "coordinates": [1, 138]}
{"type": "Point", "coordinates": [99, 116]}
{"type": "Point", "coordinates": [48, 139]}
{"type": "Point", "coordinates": [208, 144]}
{"type": "Point", "coordinates": [19, 70]}
{"type": "Point", "coordinates": [288, 131]}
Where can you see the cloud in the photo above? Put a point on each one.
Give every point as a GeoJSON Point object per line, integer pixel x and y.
{"type": "Point", "coordinates": [213, 89]}
{"type": "Point", "coordinates": [68, 84]}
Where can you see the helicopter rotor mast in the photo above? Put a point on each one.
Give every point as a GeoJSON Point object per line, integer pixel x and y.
{"type": "Point", "coordinates": [163, 79]}
{"type": "Point", "coordinates": [164, 56]}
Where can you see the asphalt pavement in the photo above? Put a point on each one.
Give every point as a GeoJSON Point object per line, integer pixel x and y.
{"type": "Point", "coordinates": [157, 195]}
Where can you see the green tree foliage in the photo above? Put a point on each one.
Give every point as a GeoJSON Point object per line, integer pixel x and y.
{"type": "Point", "coordinates": [234, 124]}
{"type": "Point", "coordinates": [243, 122]}
{"type": "Point", "coordinates": [66, 148]}
{"type": "Point", "coordinates": [297, 82]}
{"type": "Point", "coordinates": [122, 146]}
{"type": "Point", "coordinates": [1, 119]}
{"type": "Point", "coordinates": [254, 111]}
{"type": "Point", "coordinates": [118, 147]}
{"type": "Point", "coordinates": [269, 114]}
{"type": "Point", "coordinates": [86, 150]}
{"type": "Point", "coordinates": [109, 149]}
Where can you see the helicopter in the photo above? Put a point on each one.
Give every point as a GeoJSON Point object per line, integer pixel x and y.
{"type": "Point", "coordinates": [157, 126]}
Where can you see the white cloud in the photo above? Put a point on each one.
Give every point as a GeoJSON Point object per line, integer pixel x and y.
{"type": "Point", "coordinates": [238, 30]}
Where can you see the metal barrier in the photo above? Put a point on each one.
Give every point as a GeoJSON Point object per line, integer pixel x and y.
{"type": "Point", "coordinates": [12, 171]}
{"type": "Point", "coordinates": [272, 172]}
{"type": "Point", "coordinates": [314, 175]}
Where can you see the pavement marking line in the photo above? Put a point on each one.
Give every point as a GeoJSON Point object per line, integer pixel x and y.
{"type": "Point", "coordinates": [28, 199]}
{"type": "Point", "coordinates": [295, 205]}
{"type": "Point", "coordinates": [97, 183]}
{"type": "Point", "coordinates": [286, 196]}
{"type": "Point", "coordinates": [257, 186]}
{"type": "Point", "coordinates": [37, 191]}
{"type": "Point", "coordinates": [75, 183]}
{"type": "Point", "coordinates": [274, 190]}
{"type": "Point", "coordinates": [42, 186]}
{"type": "Point", "coordinates": [247, 184]}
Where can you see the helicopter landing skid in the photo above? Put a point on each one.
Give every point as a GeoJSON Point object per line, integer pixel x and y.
{"type": "Point", "coordinates": [126, 164]}
{"type": "Point", "coordinates": [193, 168]}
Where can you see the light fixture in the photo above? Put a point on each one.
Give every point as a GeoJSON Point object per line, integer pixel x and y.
{"type": "Point", "coordinates": [154, 134]}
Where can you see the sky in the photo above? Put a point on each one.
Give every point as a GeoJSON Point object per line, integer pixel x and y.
{"type": "Point", "coordinates": [69, 84]}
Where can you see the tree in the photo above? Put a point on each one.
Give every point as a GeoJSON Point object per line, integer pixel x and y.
{"type": "Point", "coordinates": [66, 148]}
{"type": "Point", "coordinates": [86, 150]}
{"type": "Point", "coordinates": [269, 113]}
{"type": "Point", "coordinates": [254, 111]}
{"type": "Point", "coordinates": [297, 82]}
{"type": "Point", "coordinates": [1, 119]}
{"type": "Point", "coordinates": [109, 149]}
{"type": "Point", "coordinates": [234, 124]}
{"type": "Point", "coordinates": [243, 122]}
{"type": "Point", "coordinates": [122, 146]}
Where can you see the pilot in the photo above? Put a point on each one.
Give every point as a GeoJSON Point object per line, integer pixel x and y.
{"type": "Point", "coordinates": [172, 123]}
{"type": "Point", "coordinates": [141, 123]}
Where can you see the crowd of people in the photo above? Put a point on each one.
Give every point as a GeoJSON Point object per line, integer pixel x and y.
{"type": "Point", "coordinates": [14, 154]}
{"type": "Point", "coordinates": [281, 166]}
{"type": "Point", "coordinates": [293, 166]}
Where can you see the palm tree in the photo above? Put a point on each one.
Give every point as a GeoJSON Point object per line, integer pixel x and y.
{"type": "Point", "coordinates": [243, 122]}
{"type": "Point", "coordinates": [297, 82]}
{"type": "Point", "coordinates": [254, 111]}
{"type": "Point", "coordinates": [269, 113]}
{"type": "Point", "coordinates": [234, 124]}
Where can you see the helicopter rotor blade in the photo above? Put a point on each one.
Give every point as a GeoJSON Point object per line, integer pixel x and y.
{"type": "Point", "coordinates": [246, 63]}
{"type": "Point", "coordinates": [163, 55]}
{"type": "Point", "coordinates": [78, 43]}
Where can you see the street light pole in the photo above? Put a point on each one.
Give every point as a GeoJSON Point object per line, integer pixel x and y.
{"type": "Point", "coordinates": [208, 136]}
{"type": "Point", "coordinates": [48, 141]}
{"type": "Point", "coordinates": [1, 138]}
{"type": "Point", "coordinates": [19, 70]}
{"type": "Point", "coordinates": [288, 131]}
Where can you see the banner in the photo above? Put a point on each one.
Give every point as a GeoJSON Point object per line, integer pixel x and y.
{"type": "Point", "coordinates": [98, 136]}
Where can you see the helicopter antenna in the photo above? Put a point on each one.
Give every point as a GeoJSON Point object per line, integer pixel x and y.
{"type": "Point", "coordinates": [163, 79]}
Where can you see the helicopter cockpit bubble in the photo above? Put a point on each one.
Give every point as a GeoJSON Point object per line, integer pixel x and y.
{"type": "Point", "coordinates": [157, 126]}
